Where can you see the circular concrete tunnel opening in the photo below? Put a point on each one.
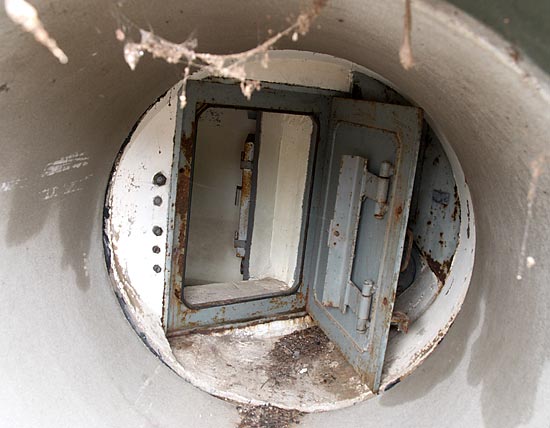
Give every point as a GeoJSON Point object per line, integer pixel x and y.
{"type": "Point", "coordinates": [71, 356]}
{"type": "Point", "coordinates": [283, 360]}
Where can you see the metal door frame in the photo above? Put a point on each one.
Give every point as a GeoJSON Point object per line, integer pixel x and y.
{"type": "Point", "coordinates": [178, 316]}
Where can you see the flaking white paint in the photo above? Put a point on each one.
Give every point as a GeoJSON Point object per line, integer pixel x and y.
{"type": "Point", "coordinates": [131, 194]}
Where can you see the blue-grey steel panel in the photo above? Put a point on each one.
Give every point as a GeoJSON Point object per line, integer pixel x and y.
{"type": "Point", "coordinates": [343, 229]}
{"type": "Point", "coordinates": [377, 132]}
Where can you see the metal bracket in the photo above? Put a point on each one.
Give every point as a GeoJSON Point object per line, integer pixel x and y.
{"type": "Point", "coordinates": [363, 311]}
{"type": "Point", "coordinates": [360, 302]}
{"type": "Point", "coordinates": [247, 165]}
{"type": "Point", "coordinates": [376, 188]}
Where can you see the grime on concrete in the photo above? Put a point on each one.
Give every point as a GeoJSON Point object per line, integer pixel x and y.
{"type": "Point", "coordinates": [288, 364]}
{"type": "Point", "coordinates": [267, 417]}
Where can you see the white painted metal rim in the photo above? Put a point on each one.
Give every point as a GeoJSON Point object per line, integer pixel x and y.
{"type": "Point", "coordinates": [492, 368]}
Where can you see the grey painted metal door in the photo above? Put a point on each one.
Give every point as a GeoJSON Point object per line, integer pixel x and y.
{"type": "Point", "coordinates": [366, 193]}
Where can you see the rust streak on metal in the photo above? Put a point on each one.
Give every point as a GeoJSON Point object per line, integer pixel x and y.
{"type": "Point", "coordinates": [398, 211]}
{"type": "Point", "coordinates": [401, 320]}
{"type": "Point", "coordinates": [441, 270]}
{"type": "Point", "coordinates": [177, 292]}
{"type": "Point", "coordinates": [468, 212]}
{"type": "Point", "coordinates": [183, 194]}
{"type": "Point", "coordinates": [246, 185]}
{"type": "Point", "coordinates": [456, 211]}
{"type": "Point", "coordinates": [421, 355]}
{"type": "Point", "coordinates": [196, 327]}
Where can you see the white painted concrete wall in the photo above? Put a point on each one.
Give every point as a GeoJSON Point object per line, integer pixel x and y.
{"type": "Point", "coordinates": [282, 170]}
{"type": "Point", "coordinates": [284, 155]}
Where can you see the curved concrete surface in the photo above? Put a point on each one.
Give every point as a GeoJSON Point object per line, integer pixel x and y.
{"type": "Point", "coordinates": [68, 357]}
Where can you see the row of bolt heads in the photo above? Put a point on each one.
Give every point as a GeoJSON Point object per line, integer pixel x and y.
{"type": "Point", "coordinates": [159, 179]}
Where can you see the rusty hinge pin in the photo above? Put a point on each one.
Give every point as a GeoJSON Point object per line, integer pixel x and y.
{"type": "Point", "coordinates": [363, 314]}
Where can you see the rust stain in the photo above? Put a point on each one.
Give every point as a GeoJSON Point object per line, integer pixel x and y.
{"type": "Point", "coordinates": [248, 156]}
{"type": "Point", "coordinates": [424, 352]}
{"type": "Point", "coordinates": [398, 211]}
{"type": "Point", "coordinates": [468, 211]}
{"type": "Point", "coordinates": [421, 355]}
{"type": "Point", "coordinates": [456, 211]}
{"type": "Point", "coordinates": [177, 291]}
{"type": "Point", "coordinates": [197, 327]}
{"type": "Point", "coordinates": [441, 270]}
{"type": "Point", "coordinates": [219, 318]}
{"type": "Point", "coordinates": [246, 185]}
{"type": "Point", "coordinates": [402, 321]}
{"type": "Point", "coordinates": [183, 193]}
{"type": "Point", "coordinates": [514, 53]}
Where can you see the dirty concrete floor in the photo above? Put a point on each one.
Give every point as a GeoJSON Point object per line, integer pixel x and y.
{"type": "Point", "coordinates": [267, 417]}
{"type": "Point", "coordinates": [288, 364]}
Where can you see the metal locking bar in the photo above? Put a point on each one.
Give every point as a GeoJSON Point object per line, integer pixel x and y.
{"type": "Point", "coordinates": [247, 159]}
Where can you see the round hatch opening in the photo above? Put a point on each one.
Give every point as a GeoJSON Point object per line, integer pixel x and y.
{"type": "Point", "coordinates": [286, 360]}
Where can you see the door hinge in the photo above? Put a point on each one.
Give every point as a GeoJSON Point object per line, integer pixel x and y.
{"type": "Point", "coordinates": [376, 188]}
{"type": "Point", "coordinates": [360, 302]}
{"type": "Point", "coordinates": [363, 312]}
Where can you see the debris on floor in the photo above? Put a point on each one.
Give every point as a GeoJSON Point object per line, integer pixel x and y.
{"type": "Point", "coordinates": [292, 354]}
{"type": "Point", "coordinates": [288, 364]}
{"type": "Point", "coordinates": [267, 417]}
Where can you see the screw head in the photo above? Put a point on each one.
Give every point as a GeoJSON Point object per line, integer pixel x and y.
{"type": "Point", "coordinates": [157, 268]}
{"type": "Point", "coordinates": [157, 201]}
{"type": "Point", "coordinates": [157, 230]}
{"type": "Point", "coordinates": [156, 249]}
{"type": "Point", "coordinates": [159, 179]}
